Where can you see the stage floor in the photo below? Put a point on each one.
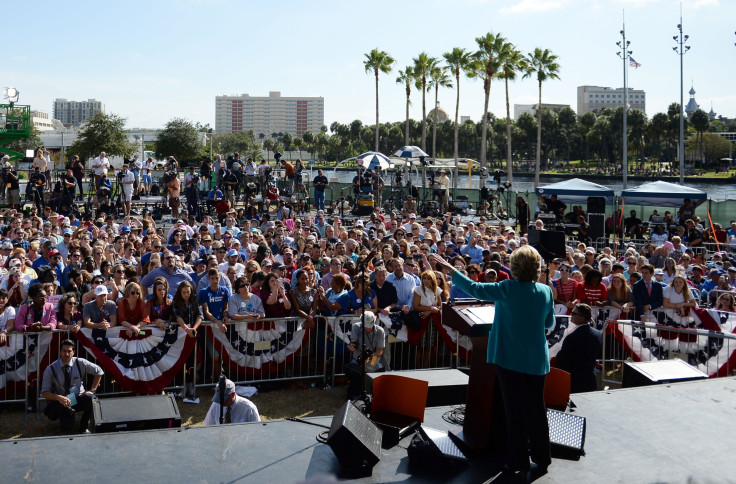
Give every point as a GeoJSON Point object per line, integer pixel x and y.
{"type": "Point", "coordinates": [675, 433]}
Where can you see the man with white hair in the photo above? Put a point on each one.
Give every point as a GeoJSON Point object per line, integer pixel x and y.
{"type": "Point", "coordinates": [237, 409]}
{"type": "Point", "coordinates": [375, 342]}
{"type": "Point", "coordinates": [101, 165]}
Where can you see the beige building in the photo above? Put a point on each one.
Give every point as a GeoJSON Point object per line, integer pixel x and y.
{"type": "Point", "coordinates": [520, 109]}
{"type": "Point", "coordinates": [74, 113]}
{"type": "Point", "coordinates": [595, 98]}
{"type": "Point", "coordinates": [267, 115]}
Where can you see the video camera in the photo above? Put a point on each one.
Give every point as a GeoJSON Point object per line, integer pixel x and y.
{"type": "Point", "coordinates": [365, 355]}
{"type": "Point", "coordinates": [277, 156]}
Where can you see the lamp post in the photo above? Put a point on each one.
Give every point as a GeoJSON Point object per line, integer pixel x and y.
{"type": "Point", "coordinates": [624, 54]}
{"type": "Point", "coordinates": [680, 50]}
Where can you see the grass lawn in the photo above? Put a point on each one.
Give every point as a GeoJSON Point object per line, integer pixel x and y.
{"type": "Point", "coordinates": [290, 400]}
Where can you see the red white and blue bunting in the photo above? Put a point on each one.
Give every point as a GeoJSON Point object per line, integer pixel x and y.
{"type": "Point", "coordinates": [14, 361]}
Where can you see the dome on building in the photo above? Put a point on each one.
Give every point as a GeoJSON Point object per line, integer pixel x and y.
{"type": "Point", "coordinates": [691, 105]}
{"type": "Point", "coordinates": [442, 115]}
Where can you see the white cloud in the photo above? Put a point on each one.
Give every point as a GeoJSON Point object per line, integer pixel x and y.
{"type": "Point", "coordinates": [536, 6]}
{"type": "Point", "coordinates": [695, 4]}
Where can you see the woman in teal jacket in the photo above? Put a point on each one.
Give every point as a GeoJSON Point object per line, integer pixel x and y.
{"type": "Point", "coordinates": [517, 346]}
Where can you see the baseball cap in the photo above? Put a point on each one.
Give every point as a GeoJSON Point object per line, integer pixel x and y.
{"type": "Point", "coordinates": [228, 390]}
{"type": "Point", "coordinates": [277, 266]}
{"type": "Point", "coordinates": [412, 215]}
{"type": "Point", "coordinates": [54, 252]}
{"type": "Point", "coordinates": [359, 223]}
{"type": "Point", "coordinates": [7, 245]}
{"type": "Point", "coordinates": [125, 229]}
{"type": "Point", "coordinates": [101, 291]}
{"type": "Point", "coordinates": [658, 272]}
{"type": "Point", "coordinates": [370, 319]}
{"type": "Point", "coordinates": [68, 232]}
{"type": "Point", "coordinates": [6, 157]}
{"type": "Point", "coordinates": [232, 253]}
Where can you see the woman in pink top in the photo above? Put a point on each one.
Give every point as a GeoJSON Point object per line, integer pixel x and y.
{"type": "Point", "coordinates": [37, 314]}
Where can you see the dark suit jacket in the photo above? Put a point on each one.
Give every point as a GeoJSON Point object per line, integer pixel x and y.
{"type": "Point", "coordinates": [578, 356]}
{"type": "Point", "coordinates": [642, 297]}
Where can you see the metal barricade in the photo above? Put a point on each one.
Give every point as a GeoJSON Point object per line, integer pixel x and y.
{"type": "Point", "coordinates": [629, 340]}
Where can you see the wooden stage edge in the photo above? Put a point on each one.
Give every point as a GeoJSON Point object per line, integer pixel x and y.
{"type": "Point", "coordinates": [682, 432]}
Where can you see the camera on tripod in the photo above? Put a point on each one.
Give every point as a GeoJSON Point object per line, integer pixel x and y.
{"type": "Point", "coordinates": [277, 156]}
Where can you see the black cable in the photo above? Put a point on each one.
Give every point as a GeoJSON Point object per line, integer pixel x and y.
{"type": "Point", "coordinates": [321, 437]}
{"type": "Point", "coordinates": [456, 415]}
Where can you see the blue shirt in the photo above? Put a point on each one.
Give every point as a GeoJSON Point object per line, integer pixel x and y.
{"type": "Point", "coordinates": [342, 298]}
{"type": "Point", "coordinates": [214, 194]}
{"type": "Point", "coordinates": [404, 288]}
{"type": "Point", "coordinates": [475, 253]}
{"type": "Point", "coordinates": [356, 303]}
{"type": "Point", "coordinates": [174, 279]}
{"type": "Point", "coordinates": [215, 300]}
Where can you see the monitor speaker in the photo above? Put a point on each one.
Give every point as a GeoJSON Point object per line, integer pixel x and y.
{"type": "Point", "coordinates": [355, 440]}
{"type": "Point", "coordinates": [597, 223]}
{"type": "Point", "coordinates": [596, 205]}
{"type": "Point", "coordinates": [549, 243]}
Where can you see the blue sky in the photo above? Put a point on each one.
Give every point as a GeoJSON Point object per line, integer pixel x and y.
{"type": "Point", "coordinates": [152, 61]}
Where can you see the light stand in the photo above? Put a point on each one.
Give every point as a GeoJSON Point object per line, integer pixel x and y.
{"type": "Point", "coordinates": [221, 389]}
{"type": "Point", "coordinates": [625, 54]}
{"type": "Point", "coordinates": [364, 397]}
{"type": "Point", "coordinates": [680, 50]}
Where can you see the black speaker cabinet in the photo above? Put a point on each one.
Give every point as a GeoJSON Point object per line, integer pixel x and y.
{"type": "Point", "coordinates": [135, 413]}
{"type": "Point", "coordinates": [644, 373]}
{"type": "Point", "coordinates": [597, 223]}
{"type": "Point", "coordinates": [355, 440]}
{"type": "Point", "coordinates": [596, 205]}
{"type": "Point", "coordinates": [549, 243]}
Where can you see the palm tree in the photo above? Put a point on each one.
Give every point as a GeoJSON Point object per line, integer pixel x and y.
{"type": "Point", "coordinates": [298, 142]}
{"type": "Point", "coordinates": [485, 67]}
{"type": "Point", "coordinates": [406, 77]}
{"type": "Point", "coordinates": [268, 145]}
{"type": "Point", "coordinates": [377, 61]}
{"type": "Point", "coordinates": [438, 77]}
{"type": "Point", "coordinates": [457, 60]}
{"type": "Point", "coordinates": [423, 66]}
{"type": "Point", "coordinates": [512, 61]}
{"type": "Point", "coordinates": [543, 63]}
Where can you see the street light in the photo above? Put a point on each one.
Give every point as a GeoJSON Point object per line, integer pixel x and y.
{"type": "Point", "coordinates": [624, 54]}
{"type": "Point", "coordinates": [12, 95]}
{"type": "Point", "coordinates": [680, 50]}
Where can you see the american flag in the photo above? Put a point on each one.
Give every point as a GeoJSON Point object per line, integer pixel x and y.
{"type": "Point", "coordinates": [633, 63]}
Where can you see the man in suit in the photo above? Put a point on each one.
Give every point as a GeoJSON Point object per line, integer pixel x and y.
{"type": "Point", "coordinates": [580, 350]}
{"type": "Point", "coordinates": [647, 292]}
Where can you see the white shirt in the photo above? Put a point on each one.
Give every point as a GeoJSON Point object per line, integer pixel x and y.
{"type": "Point", "coordinates": [7, 315]}
{"type": "Point", "coordinates": [242, 410]}
{"type": "Point", "coordinates": [147, 167]}
{"type": "Point", "coordinates": [127, 184]}
{"type": "Point", "coordinates": [239, 268]}
{"type": "Point", "coordinates": [101, 165]}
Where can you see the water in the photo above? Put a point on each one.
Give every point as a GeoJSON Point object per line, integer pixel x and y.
{"type": "Point", "coordinates": [525, 183]}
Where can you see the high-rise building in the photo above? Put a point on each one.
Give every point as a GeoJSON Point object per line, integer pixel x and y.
{"type": "Point", "coordinates": [594, 98]}
{"type": "Point", "coordinates": [74, 113]}
{"type": "Point", "coordinates": [520, 109]}
{"type": "Point", "coordinates": [267, 115]}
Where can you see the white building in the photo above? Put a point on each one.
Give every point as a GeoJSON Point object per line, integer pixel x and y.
{"type": "Point", "coordinates": [267, 115]}
{"type": "Point", "coordinates": [595, 98]}
{"type": "Point", "coordinates": [42, 122]}
{"type": "Point", "coordinates": [74, 113]}
{"type": "Point", "coordinates": [520, 109]}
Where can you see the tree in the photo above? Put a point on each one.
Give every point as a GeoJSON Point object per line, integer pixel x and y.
{"type": "Point", "coordinates": [102, 132]}
{"type": "Point", "coordinates": [543, 63]}
{"type": "Point", "coordinates": [179, 139]}
{"type": "Point", "coordinates": [438, 77]}
{"type": "Point", "coordinates": [714, 147]}
{"type": "Point", "coordinates": [298, 143]}
{"type": "Point", "coordinates": [587, 121]}
{"type": "Point", "coordinates": [377, 61]}
{"type": "Point", "coordinates": [406, 77]}
{"type": "Point", "coordinates": [511, 62]}
{"type": "Point", "coordinates": [236, 142]}
{"type": "Point", "coordinates": [567, 119]}
{"type": "Point", "coordinates": [485, 67]}
{"type": "Point", "coordinates": [458, 60]}
{"type": "Point", "coordinates": [308, 138]}
{"type": "Point", "coordinates": [701, 122]}
{"type": "Point", "coordinates": [268, 145]}
{"type": "Point", "coordinates": [423, 65]}
{"type": "Point", "coordinates": [287, 141]}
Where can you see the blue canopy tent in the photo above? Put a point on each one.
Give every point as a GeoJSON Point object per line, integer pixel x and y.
{"type": "Point", "coordinates": [576, 191]}
{"type": "Point", "coordinates": [663, 194]}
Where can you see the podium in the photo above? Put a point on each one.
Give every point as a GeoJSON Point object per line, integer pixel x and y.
{"type": "Point", "coordinates": [484, 426]}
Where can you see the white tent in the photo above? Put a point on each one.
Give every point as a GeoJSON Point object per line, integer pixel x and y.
{"type": "Point", "coordinates": [663, 194]}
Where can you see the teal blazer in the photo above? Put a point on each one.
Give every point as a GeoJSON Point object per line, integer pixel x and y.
{"type": "Point", "coordinates": [524, 311]}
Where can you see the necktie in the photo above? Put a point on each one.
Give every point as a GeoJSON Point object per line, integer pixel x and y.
{"type": "Point", "coordinates": [67, 378]}
{"type": "Point", "coordinates": [649, 288]}
{"type": "Point", "coordinates": [228, 416]}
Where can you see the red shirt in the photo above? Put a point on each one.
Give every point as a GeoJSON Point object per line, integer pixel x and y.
{"type": "Point", "coordinates": [589, 295]}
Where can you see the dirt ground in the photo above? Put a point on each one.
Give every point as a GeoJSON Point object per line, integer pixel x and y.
{"type": "Point", "coordinates": [275, 402]}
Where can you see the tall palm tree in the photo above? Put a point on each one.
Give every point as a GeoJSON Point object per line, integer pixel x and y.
{"type": "Point", "coordinates": [378, 61]}
{"type": "Point", "coordinates": [423, 65]}
{"type": "Point", "coordinates": [406, 77]}
{"type": "Point", "coordinates": [485, 68]}
{"type": "Point", "coordinates": [438, 77]}
{"type": "Point", "coordinates": [543, 63]}
{"type": "Point", "coordinates": [512, 62]}
{"type": "Point", "coordinates": [457, 60]}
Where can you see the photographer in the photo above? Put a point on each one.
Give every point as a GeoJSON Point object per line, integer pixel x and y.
{"type": "Point", "coordinates": [126, 178]}
{"type": "Point", "coordinates": [191, 190]}
{"type": "Point", "coordinates": [78, 171]}
{"type": "Point", "coordinates": [13, 188]}
{"type": "Point", "coordinates": [373, 360]}
{"type": "Point", "coordinates": [4, 166]}
{"type": "Point", "coordinates": [230, 184]}
{"type": "Point", "coordinates": [37, 185]}
{"type": "Point", "coordinates": [104, 189]}
{"type": "Point", "coordinates": [68, 187]}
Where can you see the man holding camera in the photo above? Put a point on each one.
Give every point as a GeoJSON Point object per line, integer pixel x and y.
{"type": "Point", "coordinates": [63, 387]}
{"type": "Point", "coordinates": [37, 185]}
{"type": "Point", "coordinates": [191, 182]}
{"type": "Point", "coordinates": [174, 187]}
{"type": "Point", "coordinates": [127, 180]}
{"type": "Point", "coordinates": [230, 184]}
{"type": "Point", "coordinates": [11, 184]}
{"type": "Point", "coordinates": [69, 186]}
{"type": "Point", "coordinates": [372, 359]}
{"type": "Point", "coordinates": [104, 188]}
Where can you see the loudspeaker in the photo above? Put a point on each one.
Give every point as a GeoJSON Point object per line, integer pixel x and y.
{"type": "Point", "coordinates": [354, 439]}
{"type": "Point", "coordinates": [657, 372]}
{"type": "Point", "coordinates": [566, 433]}
{"type": "Point", "coordinates": [135, 413]}
{"type": "Point", "coordinates": [597, 223]}
{"type": "Point", "coordinates": [596, 205]}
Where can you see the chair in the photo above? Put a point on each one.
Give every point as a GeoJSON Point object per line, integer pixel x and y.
{"type": "Point", "coordinates": [557, 389]}
{"type": "Point", "coordinates": [398, 406]}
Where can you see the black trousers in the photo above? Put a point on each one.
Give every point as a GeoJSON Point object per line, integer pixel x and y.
{"type": "Point", "coordinates": [84, 404]}
{"type": "Point", "coordinates": [527, 429]}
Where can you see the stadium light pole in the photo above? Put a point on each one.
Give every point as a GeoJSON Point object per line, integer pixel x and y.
{"type": "Point", "coordinates": [680, 50]}
{"type": "Point", "coordinates": [624, 54]}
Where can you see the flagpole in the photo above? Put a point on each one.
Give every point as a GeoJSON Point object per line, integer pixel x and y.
{"type": "Point", "coordinates": [624, 54]}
